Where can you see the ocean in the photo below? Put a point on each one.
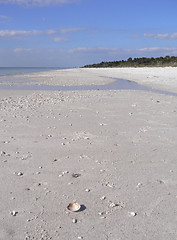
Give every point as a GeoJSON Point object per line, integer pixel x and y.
{"type": "Point", "coordinates": [9, 71]}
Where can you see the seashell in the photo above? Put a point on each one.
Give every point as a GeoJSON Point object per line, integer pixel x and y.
{"type": "Point", "coordinates": [73, 207]}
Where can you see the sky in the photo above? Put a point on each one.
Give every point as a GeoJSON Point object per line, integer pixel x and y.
{"type": "Point", "coordinates": [72, 33]}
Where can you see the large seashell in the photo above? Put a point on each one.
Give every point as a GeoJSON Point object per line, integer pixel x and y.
{"type": "Point", "coordinates": [73, 207]}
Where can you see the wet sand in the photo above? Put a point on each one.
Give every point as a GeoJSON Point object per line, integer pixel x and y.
{"type": "Point", "coordinates": [122, 145]}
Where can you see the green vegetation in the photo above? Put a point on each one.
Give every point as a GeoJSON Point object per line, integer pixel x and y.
{"type": "Point", "coordinates": [138, 62]}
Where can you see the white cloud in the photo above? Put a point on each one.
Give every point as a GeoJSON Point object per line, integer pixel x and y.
{"type": "Point", "coordinates": [37, 3]}
{"type": "Point", "coordinates": [157, 51]}
{"type": "Point", "coordinates": [148, 49]}
{"type": "Point", "coordinates": [161, 36]}
{"type": "Point", "coordinates": [152, 49]}
{"type": "Point", "coordinates": [96, 49]}
{"type": "Point", "coordinates": [70, 30]}
{"type": "Point", "coordinates": [3, 17]}
{"type": "Point", "coordinates": [17, 50]}
{"type": "Point", "coordinates": [23, 33]}
{"type": "Point", "coordinates": [60, 39]}
{"type": "Point", "coordinates": [17, 33]}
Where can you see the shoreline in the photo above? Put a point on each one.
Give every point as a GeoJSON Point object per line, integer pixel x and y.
{"type": "Point", "coordinates": [158, 78]}
{"type": "Point", "coordinates": [122, 145]}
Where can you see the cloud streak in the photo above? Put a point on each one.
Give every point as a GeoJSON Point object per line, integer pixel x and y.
{"type": "Point", "coordinates": [60, 39]}
{"type": "Point", "coordinates": [3, 17]}
{"type": "Point", "coordinates": [23, 33]}
{"type": "Point", "coordinates": [19, 50]}
{"type": "Point", "coordinates": [161, 36]}
{"type": "Point", "coordinates": [37, 3]}
{"type": "Point", "coordinates": [71, 30]}
{"type": "Point", "coordinates": [158, 50]}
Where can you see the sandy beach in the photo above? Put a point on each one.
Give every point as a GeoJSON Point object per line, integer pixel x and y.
{"type": "Point", "coordinates": [113, 152]}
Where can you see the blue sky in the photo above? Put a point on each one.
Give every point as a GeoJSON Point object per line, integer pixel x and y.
{"type": "Point", "coordinates": [72, 33]}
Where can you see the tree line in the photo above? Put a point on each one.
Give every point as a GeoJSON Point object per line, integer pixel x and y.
{"type": "Point", "coordinates": [138, 62]}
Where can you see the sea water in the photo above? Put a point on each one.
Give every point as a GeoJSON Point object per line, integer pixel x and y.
{"type": "Point", "coordinates": [8, 71]}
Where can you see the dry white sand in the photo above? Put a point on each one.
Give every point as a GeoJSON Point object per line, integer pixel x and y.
{"type": "Point", "coordinates": [123, 145]}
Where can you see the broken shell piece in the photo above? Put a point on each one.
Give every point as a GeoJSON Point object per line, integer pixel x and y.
{"type": "Point", "coordinates": [132, 214]}
{"type": "Point", "coordinates": [73, 207]}
{"type": "Point", "coordinates": [112, 205]}
{"type": "Point", "coordinates": [76, 175]}
{"type": "Point", "coordinates": [19, 174]}
{"type": "Point", "coordinates": [13, 213]}
{"type": "Point", "coordinates": [87, 190]}
{"type": "Point", "coordinates": [101, 213]}
{"type": "Point", "coordinates": [103, 198]}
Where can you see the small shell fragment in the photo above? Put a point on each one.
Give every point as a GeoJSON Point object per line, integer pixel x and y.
{"type": "Point", "coordinates": [19, 174]}
{"type": "Point", "coordinates": [132, 214]}
{"type": "Point", "coordinates": [73, 207]}
{"type": "Point", "coordinates": [112, 205]}
{"type": "Point", "coordinates": [13, 213]}
{"type": "Point", "coordinates": [87, 190]}
{"type": "Point", "coordinates": [76, 175]}
{"type": "Point", "coordinates": [102, 198]}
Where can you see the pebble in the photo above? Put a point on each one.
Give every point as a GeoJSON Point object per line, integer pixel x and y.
{"type": "Point", "coordinates": [80, 237]}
